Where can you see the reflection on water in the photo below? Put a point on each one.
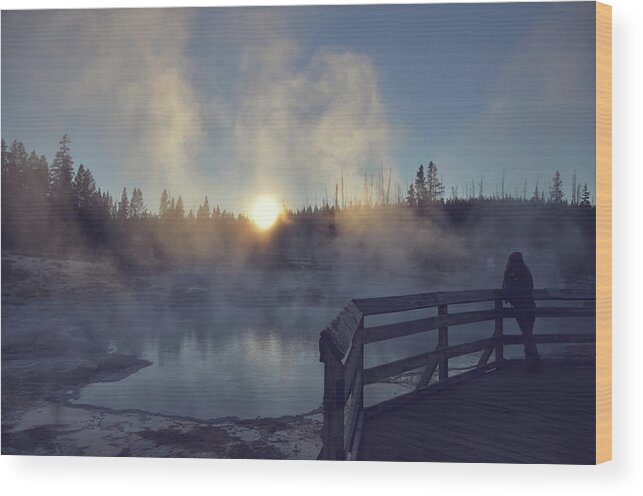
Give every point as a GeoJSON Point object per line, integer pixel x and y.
{"type": "Point", "coordinates": [246, 371]}
{"type": "Point", "coordinates": [245, 348]}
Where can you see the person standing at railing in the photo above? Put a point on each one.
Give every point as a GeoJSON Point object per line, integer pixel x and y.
{"type": "Point", "coordinates": [518, 287]}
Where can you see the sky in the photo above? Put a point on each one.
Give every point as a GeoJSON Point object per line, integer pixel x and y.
{"type": "Point", "coordinates": [237, 103]}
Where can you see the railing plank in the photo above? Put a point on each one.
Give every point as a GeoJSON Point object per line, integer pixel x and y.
{"type": "Point", "coordinates": [509, 339]}
{"type": "Point", "coordinates": [545, 312]}
{"type": "Point", "coordinates": [375, 306]}
{"type": "Point", "coordinates": [375, 374]}
{"type": "Point", "coordinates": [564, 294]}
{"type": "Point", "coordinates": [400, 329]}
{"type": "Point", "coordinates": [391, 304]}
{"type": "Point", "coordinates": [384, 371]}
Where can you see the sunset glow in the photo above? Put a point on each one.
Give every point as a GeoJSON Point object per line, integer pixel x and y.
{"type": "Point", "coordinates": [265, 212]}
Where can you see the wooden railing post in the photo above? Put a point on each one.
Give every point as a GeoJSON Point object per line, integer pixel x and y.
{"type": "Point", "coordinates": [498, 331]}
{"type": "Point", "coordinates": [443, 344]}
{"type": "Point", "coordinates": [360, 378]}
{"type": "Point", "coordinates": [354, 407]}
{"type": "Point", "coordinates": [334, 400]}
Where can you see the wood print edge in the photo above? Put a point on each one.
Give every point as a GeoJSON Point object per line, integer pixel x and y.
{"type": "Point", "coordinates": [603, 232]}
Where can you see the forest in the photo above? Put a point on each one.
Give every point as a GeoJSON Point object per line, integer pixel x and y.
{"type": "Point", "coordinates": [55, 210]}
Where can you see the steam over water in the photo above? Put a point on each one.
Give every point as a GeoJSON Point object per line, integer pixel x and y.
{"type": "Point", "coordinates": [229, 343]}
{"type": "Point", "coordinates": [238, 335]}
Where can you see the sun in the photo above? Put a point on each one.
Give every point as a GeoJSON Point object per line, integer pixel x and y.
{"type": "Point", "coordinates": [265, 212]}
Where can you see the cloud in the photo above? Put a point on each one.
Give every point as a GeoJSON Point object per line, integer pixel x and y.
{"type": "Point", "coordinates": [135, 76]}
{"type": "Point", "coordinates": [302, 123]}
{"type": "Point", "coordinates": [229, 104]}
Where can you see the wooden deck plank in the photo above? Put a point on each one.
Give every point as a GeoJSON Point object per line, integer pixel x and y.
{"type": "Point", "coordinates": [510, 415]}
{"type": "Point", "coordinates": [538, 442]}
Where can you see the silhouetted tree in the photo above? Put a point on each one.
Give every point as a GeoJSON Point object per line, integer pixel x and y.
{"type": "Point", "coordinates": [61, 176]}
{"type": "Point", "coordinates": [164, 207]}
{"type": "Point", "coordinates": [5, 158]}
{"type": "Point", "coordinates": [434, 186]}
{"type": "Point", "coordinates": [421, 192]}
{"type": "Point", "coordinates": [107, 206]}
{"type": "Point", "coordinates": [585, 197]}
{"type": "Point", "coordinates": [14, 159]}
{"type": "Point", "coordinates": [84, 188]}
{"type": "Point", "coordinates": [123, 206]}
{"type": "Point", "coordinates": [411, 199]}
{"type": "Point", "coordinates": [203, 212]}
{"type": "Point", "coordinates": [574, 198]}
{"type": "Point", "coordinates": [137, 207]}
{"type": "Point", "coordinates": [556, 194]}
{"type": "Point", "coordinates": [178, 209]}
{"type": "Point", "coordinates": [38, 176]}
{"type": "Point", "coordinates": [536, 195]}
{"type": "Point", "coordinates": [19, 159]}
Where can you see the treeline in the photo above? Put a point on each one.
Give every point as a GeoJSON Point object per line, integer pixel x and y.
{"type": "Point", "coordinates": [428, 189]}
{"type": "Point", "coordinates": [53, 208]}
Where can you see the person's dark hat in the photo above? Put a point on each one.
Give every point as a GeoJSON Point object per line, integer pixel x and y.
{"type": "Point", "coordinates": [516, 256]}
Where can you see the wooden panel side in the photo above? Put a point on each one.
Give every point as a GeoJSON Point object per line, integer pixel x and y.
{"type": "Point", "coordinates": [603, 232]}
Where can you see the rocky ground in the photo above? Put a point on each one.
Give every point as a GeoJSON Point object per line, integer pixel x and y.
{"type": "Point", "coordinates": [42, 371]}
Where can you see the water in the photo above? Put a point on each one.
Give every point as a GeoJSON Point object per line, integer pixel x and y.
{"type": "Point", "coordinates": [224, 342]}
{"type": "Point", "coordinates": [236, 343]}
{"type": "Point", "coordinates": [209, 367]}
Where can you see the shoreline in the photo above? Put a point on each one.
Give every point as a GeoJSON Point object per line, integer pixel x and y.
{"type": "Point", "coordinates": [91, 430]}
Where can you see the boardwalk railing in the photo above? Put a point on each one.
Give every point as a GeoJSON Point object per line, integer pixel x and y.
{"type": "Point", "coordinates": [342, 344]}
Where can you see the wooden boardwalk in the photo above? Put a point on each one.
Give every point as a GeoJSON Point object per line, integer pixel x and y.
{"type": "Point", "coordinates": [496, 412]}
{"type": "Point", "coordinates": [507, 415]}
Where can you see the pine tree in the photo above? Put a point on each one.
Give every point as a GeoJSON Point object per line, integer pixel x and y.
{"type": "Point", "coordinates": [107, 207]}
{"type": "Point", "coordinates": [61, 175]}
{"type": "Point", "coordinates": [19, 159]}
{"type": "Point", "coordinates": [421, 193]}
{"type": "Point", "coordinates": [179, 211]}
{"type": "Point", "coordinates": [123, 206]}
{"type": "Point", "coordinates": [5, 158]}
{"type": "Point", "coordinates": [84, 188]}
{"type": "Point", "coordinates": [137, 207]}
{"type": "Point", "coordinates": [585, 197]}
{"type": "Point", "coordinates": [411, 199]}
{"type": "Point", "coordinates": [556, 194]}
{"type": "Point", "coordinates": [14, 163]}
{"type": "Point", "coordinates": [574, 199]}
{"type": "Point", "coordinates": [165, 205]}
{"type": "Point", "coordinates": [434, 186]}
{"type": "Point", "coordinates": [203, 213]}
{"type": "Point", "coordinates": [37, 176]}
